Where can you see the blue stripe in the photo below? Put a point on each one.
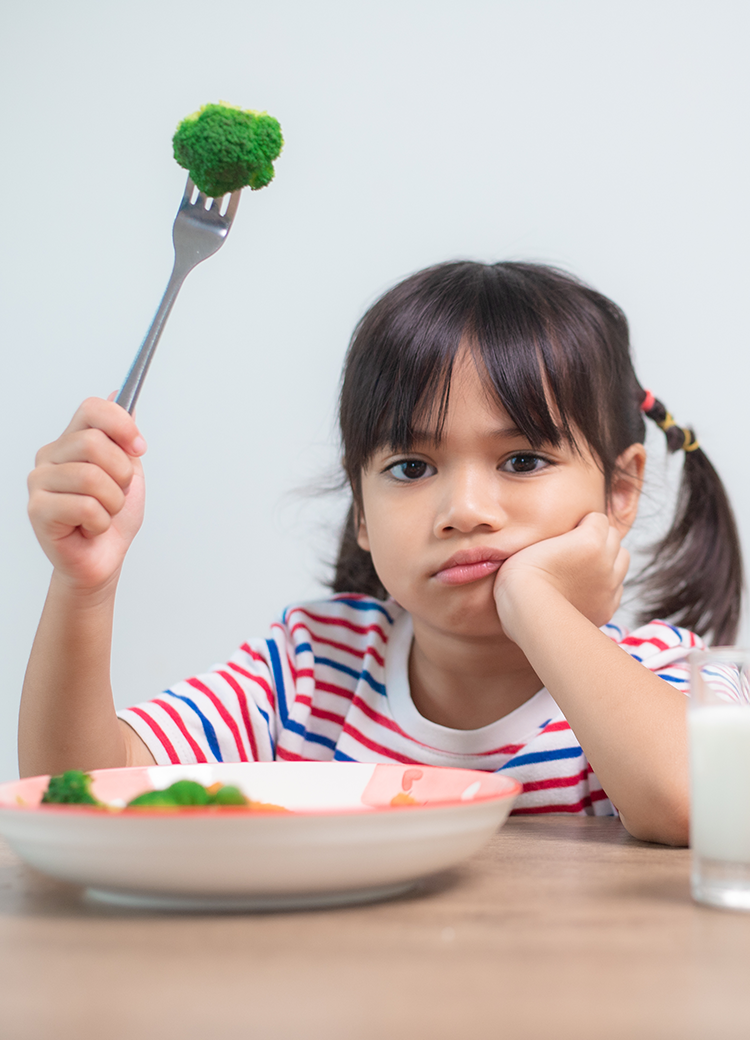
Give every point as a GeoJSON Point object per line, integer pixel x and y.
{"type": "Point", "coordinates": [339, 756]}
{"type": "Point", "coordinates": [313, 738]}
{"type": "Point", "coordinates": [671, 678]}
{"type": "Point", "coordinates": [287, 723]}
{"type": "Point", "coordinates": [613, 628]}
{"type": "Point", "coordinates": [208, 729]}
{"type": "Point", "coordinates": [367, 604]}
{"type": "Point", "coordinates": [338, 666]}
{"type": "Point", "coordinates": [542, 756]}
{"type": "Point", "coordinates": [303, 648]}
{"type": "Point", "coordinates": [676, 631]}
{"type": "Point", "coordinates": [278, 679]}
{"type": "Point", "coordinates": [373, 683]}
{"type": "Point", "coordinates": [364, 674]}
{"type": "Point", "coordinates": [268, 727]}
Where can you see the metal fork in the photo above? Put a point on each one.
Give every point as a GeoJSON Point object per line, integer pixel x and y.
{"type": "Point", "coordinates": [197, 233]}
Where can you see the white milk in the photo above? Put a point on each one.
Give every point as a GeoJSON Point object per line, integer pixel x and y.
{"type": "Point", "coordinates": [720, 782]}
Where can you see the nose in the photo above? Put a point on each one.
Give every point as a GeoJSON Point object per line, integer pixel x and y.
{"type": "Point", "coordinates": [469, 501]}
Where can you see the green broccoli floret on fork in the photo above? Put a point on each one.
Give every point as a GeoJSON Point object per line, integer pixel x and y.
{"type": "Point", "coordinates": [225, 148]}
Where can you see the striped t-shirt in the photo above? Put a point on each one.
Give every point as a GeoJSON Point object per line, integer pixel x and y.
{"type": "Point", "coordinates": [331, 683]}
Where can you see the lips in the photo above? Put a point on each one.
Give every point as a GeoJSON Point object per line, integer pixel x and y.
{"type": "Point", "coordinates": [469, 565]}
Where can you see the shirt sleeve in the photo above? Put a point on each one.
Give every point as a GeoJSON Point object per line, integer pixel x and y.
{"type": "Point", "coordinates": [662, 648]}
{"type": "Point", "coordinates": [228, 714]}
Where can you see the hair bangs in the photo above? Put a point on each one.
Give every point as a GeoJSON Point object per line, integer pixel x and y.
{"type": "Point", "coordinates": [548, 349]}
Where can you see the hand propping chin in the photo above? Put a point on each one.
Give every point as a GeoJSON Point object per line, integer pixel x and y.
{"type": "Point", "coordinates": [587, 566]}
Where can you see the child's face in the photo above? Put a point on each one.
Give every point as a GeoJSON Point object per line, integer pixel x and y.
{"type": "Point", "coordinates": [482, 488]}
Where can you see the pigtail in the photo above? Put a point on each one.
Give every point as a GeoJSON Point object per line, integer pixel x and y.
{"type": "Point", "coordinates": [354, 568]}
{"type": "Point", "coordinates": [695, 575]}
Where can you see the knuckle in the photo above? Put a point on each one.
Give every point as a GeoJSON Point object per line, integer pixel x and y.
{"type": "Point", "coordinates": [42, 454]}
{"type": "Point", "coordinates": [89, 478]}
{"type": "Point", "coordinates": [91, 512]}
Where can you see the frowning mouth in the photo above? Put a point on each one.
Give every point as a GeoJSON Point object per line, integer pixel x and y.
{"type": "Point", "coordinates": [469, 565]}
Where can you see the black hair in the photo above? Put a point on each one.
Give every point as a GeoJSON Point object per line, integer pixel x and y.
{"type": "Point", "coordinates": [539, 337]}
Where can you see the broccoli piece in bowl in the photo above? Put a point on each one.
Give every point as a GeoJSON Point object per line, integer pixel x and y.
{"type": "Point", "coordinates": [70, 788]}
{"type": "Point", "coordinates": [228, 795]}
{"type": "Point", "coordinates": [188, 793]}
{"type": "Point", "coordinates": [183, 792]}
{"type": "Point", "coordinates": [226, 148]}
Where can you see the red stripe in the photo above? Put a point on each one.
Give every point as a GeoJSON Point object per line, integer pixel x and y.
{"type": "Point", "coordinates": [319, 713]}
{"type": "Point", "coordinates": [329, 716]}
{"type": "Point", "coordinates": [290, 756]}
{"type": "Point", "coordinates": [361, 739]}
{"type": "Point", "coordinates": [368, 651]}
{"type": "Point", "coordinates": [556, 781]}
{"type": "Point", "coordinates": [179, 721]}
{"type": "Point", "coordinates": [255, 656]}
{"type": "Point", "coordinates": [598, 795]}
{"type": "Point", "coordinates": [339, 691]}
{"type": "Point", "coordinates": [267, 689]}
{"type": "Point", "coordinates": [292, 669]}
{"type": "Point", "coordinates": [555, 727]}
{"type": "Point", "coordinates": [228, 720]}
{"type": "Point", "coordinates": [299, 673]}
{"type": "Point", "coordinates": [167, 743]}
{"type": "Point", "coordinates": [381, 720]}
{"type": "Point", "coordinates": [389, 724]}
{"type": "Point", "coordinates": [342, 623]}
{"type": "Point", "coordinates": [245, 712]}
{"type": "Point", "coordinates": [658, 643]}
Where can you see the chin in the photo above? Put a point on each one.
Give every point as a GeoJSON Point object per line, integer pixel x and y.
{"type": "Point", "coordinates": [463, 610]}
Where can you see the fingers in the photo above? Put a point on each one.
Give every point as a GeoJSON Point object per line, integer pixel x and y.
{"type": "Point", "coordinates": [81, 479]}
{"type": "Point", "coordinates": [58, 514]}
{"type": "Point", "coordinates": [88, 446]}
{"type": "Point", "coordinates": [100, 433]}
{"type": "Point", "coordinates": [111, 419]}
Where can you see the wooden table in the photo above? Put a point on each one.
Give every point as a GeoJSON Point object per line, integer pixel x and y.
{"type": "Point", "coordinates": [561, 928]}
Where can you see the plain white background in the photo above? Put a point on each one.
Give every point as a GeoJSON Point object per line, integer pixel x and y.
{"type": "Point", "coordinates": [610, 139]}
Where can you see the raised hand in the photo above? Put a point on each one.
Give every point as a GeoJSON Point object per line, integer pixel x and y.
{"type": "Point", "coordinates": [86, 494]}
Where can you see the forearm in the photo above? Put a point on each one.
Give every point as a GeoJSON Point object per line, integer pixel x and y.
{"type": "Point", "coordinates": [67, 718]}
{"type": "Point", "coordinates": [630, 724]}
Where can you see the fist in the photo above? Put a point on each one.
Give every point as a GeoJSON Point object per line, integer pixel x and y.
{"type": "Point", "coordinates": [86, 493]}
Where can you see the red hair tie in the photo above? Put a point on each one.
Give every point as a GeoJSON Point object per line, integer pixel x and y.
{"type": "Point", "coordinates": [648, 401]}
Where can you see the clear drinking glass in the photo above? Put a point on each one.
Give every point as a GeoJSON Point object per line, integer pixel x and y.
{"type": "Point", "coordinates": [719, 735]}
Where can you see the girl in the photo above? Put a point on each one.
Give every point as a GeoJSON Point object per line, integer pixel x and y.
{"type": "Point", "coordinates": [492, 430]}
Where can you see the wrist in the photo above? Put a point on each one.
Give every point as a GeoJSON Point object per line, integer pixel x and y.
{"type": "Point", "coordinates": [81, 596]}
{"type": "Point", "coordinates": [526, 605]}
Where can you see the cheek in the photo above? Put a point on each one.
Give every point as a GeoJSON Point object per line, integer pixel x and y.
{"type": "Point", "coordinates": [554, 514]}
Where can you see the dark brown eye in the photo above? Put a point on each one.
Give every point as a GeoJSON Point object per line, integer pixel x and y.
{"type": "Point", "coordinates": [525, 463]}
{"type": "Point", "coordinates": [410, 469]}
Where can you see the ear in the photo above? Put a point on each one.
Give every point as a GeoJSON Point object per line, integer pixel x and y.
{"type": "Point", "coordinates": [363, 540]}
{"type": "Point", "coordinates": [627, 484]}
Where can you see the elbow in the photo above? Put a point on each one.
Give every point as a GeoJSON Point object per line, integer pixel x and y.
{"type": "Point", "coordinates": [668, 827]}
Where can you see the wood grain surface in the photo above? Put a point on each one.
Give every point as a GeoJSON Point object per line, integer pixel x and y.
{"type": "Point", "coordinates": [561, 927]}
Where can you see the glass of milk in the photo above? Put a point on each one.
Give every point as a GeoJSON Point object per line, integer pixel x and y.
{"type": "Point", "coordinates": [719, 736]}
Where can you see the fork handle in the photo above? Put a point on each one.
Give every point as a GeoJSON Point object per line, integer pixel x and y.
{"type": "Point", "coordinates": [131, 388]}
